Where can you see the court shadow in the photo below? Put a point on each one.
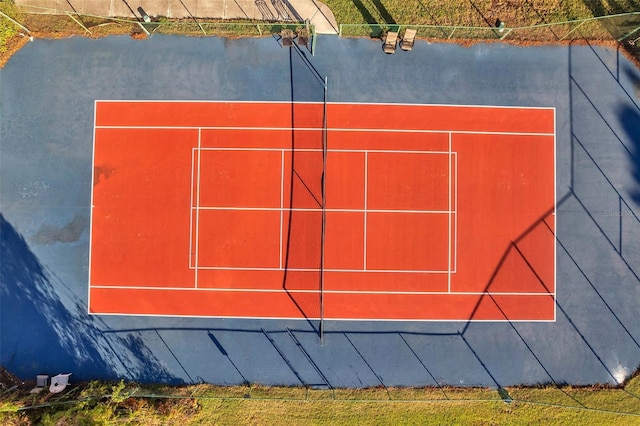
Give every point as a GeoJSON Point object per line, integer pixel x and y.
{"type": "Point", "coordinates": [224, 353]}
{"type": "Point", "coordinates": [572, 330]}
{"type": "Point", "coordinates": [633, 77]}
{"type": "Point", "coordinates": [384, 13]}
{"type": "Point", "coordinates": [193, 18]}
{"type": "Point", "coordinates": [623, 30]}
{"type": "Point", "coordinates": [487, 20]}
{"type": "Point", "coordinates": [630, 121]}
{"type": "Point", "coordinates": [72, 7]}
{"type": "Point", "coordinates": [526, 266]}
{"type": "Point", "coordinates": [302, 278]}
{"type": "Point", "coordinates": [133, 13]}
{"type": "Point", "coordinates": [374, 28]}
{"type": "Point", "coordinates": [597, 242]}
{"type": "Point", "coordinates": [41, 333]}
{"type": "Point", "coordinates": [303, 245]}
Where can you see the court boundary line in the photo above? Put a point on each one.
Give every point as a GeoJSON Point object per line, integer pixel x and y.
{"type": "Point", "coordinates": [555, 217]}
{"type": "Point", "coordinates": [191, 254]}
{"type": "Point", "coordinates": [465, 321]}
{"type": "Point", "coordinates": [364, 212]}
{"type": "Point", "coordinates": [329, 129]}
{"type": "Point", "coordinates": [316, 103]}
{"type": "Point", "coordinates": [281, 261]}
{"type": "Point", "coordinates": [334, 270]}
{"type": "Point", "coordinates": [449, 217]}
{"type": "Point", "coordinates": [350, 151]}
{"type": "Point", "coordinates": [455, 251]}
{"type": "Point", "coordinates": [555, 166]}
{"type": "Point", "coordinates": [93, 179]}
{"type": "Point", "coordinates": [197, 259]}
{"type": "Point", "coordinates": [303, 209]}
{"type": "Point", "coordinates": [280, 290]}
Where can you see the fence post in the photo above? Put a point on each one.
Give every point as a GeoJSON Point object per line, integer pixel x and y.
{"type": "Point", "coordinates": [201, 29]}
{"type": "Point", "coordinates": [628, 35]}
{"type": "Point", "coordinates": [77, 21]}
{"type": "Point", "coordinates": [577, 26]}
{"type": "Point", "coordinates": [143, 28]}
{"type": "Point", "coordinates": [506, 33]}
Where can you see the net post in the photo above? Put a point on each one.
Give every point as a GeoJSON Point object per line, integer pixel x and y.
{"type": "Point", "coordinates": [324, 209]}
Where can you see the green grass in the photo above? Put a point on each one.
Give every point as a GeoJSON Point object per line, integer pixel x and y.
{"type": "Point", "coordinates": [469, 13]}
{"type": "Point", "coordinates": [482, 15]}
{"type": "Point", "coordinates": [7, 29]}
{"type": "Point", "coordinates": [128, 403]}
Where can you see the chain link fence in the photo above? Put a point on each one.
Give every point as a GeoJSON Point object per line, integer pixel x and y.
{"type": "Point", "coordinates": [258, 22]}
{"type": "Point", "coordinates": [619, 28]}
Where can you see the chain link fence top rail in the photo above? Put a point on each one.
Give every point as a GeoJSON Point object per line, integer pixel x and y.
{"type": "Point", "coordinates": [47, 20]}
{"type": "Point", "coordinates": [624, 27]}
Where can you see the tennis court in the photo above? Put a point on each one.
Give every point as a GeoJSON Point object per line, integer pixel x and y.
{"type": "Point", "coordinates": [430, 211]}
{"type": "Point", "coordinates": [185, 210]}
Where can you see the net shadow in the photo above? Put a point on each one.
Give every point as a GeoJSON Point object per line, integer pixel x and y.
{"type": "Point", "coordinates": [303, 255]}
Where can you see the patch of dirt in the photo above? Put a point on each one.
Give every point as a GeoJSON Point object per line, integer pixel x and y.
{"type": "Point", "coordinates": [13, 45]}
{"type": "Point", "coordinates": [8, 380]}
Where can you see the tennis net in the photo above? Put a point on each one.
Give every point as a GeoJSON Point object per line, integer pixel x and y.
{"type": "Point", "coordinates": [305, 240]}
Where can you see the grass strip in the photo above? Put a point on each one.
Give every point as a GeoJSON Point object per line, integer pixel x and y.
{"type": "Point", "coordinates": [131, 403]}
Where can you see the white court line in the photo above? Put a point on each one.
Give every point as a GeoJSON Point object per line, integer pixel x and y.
{"type": "Point", "coordinates": [281, 207]}
{"type": "Point", "coordinates": [267, 268]}
{"type": "Point", "coordinates": [444, 131]}
{"type": "Point", "coordinates": [325, 318]}
{"type": "Point", "coordinates": [455, 207]}
{"type": "Point", "coordinates": [450, 210]}
{"type": "Point", "coordinates": [330, 129]}
{"type": "Point", "coordinates": [437, 105]}
{"type": "Point", "coordinates": [198, 210]}
{"type": "Point", "coordinates": [449, 221]}
{"type": "Point", "coordinates": [186, 101]}
{"type": "Point", "coordinates": [555, 221]}
{"type": "Point", "coordinates": [366, 204]}
{"type": "Point", "coordinates": [191, 212]}
{"type": "Point", "coordinates": [191, 101]}
{"type": "Point", "coordinates": [93, 177]}
{"type": "Point", "coordinates": [328, 210]}
{"type": "Point", "coordinates": [280, 290]}
{"type": "Point", "coordinates": [338, 150]}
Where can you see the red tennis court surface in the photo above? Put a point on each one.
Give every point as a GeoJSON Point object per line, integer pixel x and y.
{"type": "Point", "coordinates": [215, 209]}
